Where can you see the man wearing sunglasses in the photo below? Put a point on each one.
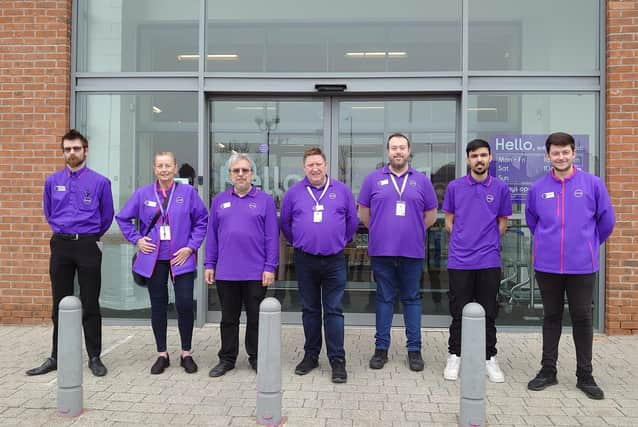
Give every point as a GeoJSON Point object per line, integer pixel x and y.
{"type": "Point", "coordinates": [78, 206]}
{"type": "Point", "coordinates": [319, 217]}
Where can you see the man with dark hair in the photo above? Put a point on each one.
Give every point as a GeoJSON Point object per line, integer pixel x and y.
{"type": "Point", "coordinates": [476, 208]}
{"type": "Point", "coordinates": [78, 206]}
{"type": "Point", "coordinates": [319, 217]}
{"type": "Point", "coordinates": [397, 204]}
{"type": "Point", "coordinates": [570, 215]}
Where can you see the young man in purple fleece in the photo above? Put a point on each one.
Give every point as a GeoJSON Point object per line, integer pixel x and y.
{"type": "Point", "coordinates": [570, 215]}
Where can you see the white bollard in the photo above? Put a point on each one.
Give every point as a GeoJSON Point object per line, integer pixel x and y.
{"type": "Point", "coordinates": [70, 357]}
{"type": "Point", "coordinates": [269, 364]}
{"type": "Point", "coordinates": [472, 366]}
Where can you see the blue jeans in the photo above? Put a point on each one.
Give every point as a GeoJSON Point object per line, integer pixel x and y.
{"type": "Point", "coordinates": [322, 282]}
{"type": "Point", "coordinates": [400, 274]}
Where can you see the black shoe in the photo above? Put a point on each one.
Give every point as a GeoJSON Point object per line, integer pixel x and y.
{"type": "Point", "coordinates": [253, 364]}
{"type": "Point", "coordinates": [379, 359]}
{"type": "Point", "coordinates": [545, 378]}
{"type": "Point", "coordinates": [415, 361]}
{"type": "Point", "coordinates": [590, 388]}
{"type": "Point", "coordinates": [306, 365]}
{"type": "Point", "coordinates": [220, 369]}
{"type": "Point", "coordinates": [160, 365]}
{"type": "Point", "coordinates": [339, 374]}
{"type": "Point", "coordinates": [188, 364]}
{"type": "Point", "coordinates": [97, 367]}
{"type": "Point", "coordinates": [49, 365]}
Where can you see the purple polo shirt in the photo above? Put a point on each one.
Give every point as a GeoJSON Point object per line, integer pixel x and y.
{"type": "Point", "coordinates": [339, 217]}
{"type": "Point", "coordinates": [389, 234]}
{"type": "Point", "coordinates": [475, 239]}
{"type": "Point", "coordinates": [243, 236]}
{"type": "Point", "coordinates": [164, 253]}
{"type": "Point", "coordinates": [78, 202]}
{"type": "Point", "coordinates": [569, 220]}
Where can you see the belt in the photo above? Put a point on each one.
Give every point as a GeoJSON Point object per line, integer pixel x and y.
{"type": "Point", "coordinates": [317, 255]}
{"type": "Point", "coordinates": [75, 236]}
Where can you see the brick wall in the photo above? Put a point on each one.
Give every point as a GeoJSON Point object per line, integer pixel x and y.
{"type": "Point", "coordinates": [35, 65]}
{"type": "Point", "coordinates": [622, 166]}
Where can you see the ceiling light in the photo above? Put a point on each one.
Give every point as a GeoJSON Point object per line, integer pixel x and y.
{"type": "Point", "coordinates": [156, 109]}
{"type": "Point", "coordinates": [482, 109]}
{"type": "Point", "coordinates": [376, 54]}
{"type": "Point", "coordinates": [210, 57]}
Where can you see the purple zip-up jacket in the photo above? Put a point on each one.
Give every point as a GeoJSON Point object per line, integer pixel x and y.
{"type": "Point", "coordinates": [187, 216]}
{"type": "Point", "coordinates": [569, 220]}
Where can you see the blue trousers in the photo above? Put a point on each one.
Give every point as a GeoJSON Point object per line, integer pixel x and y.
{"type": "Point", "coordinates": [322, 282]}
{"type": "Point", "coordinates": [402, 275]}
{"type": "Point", "coordinates": [158, 292]}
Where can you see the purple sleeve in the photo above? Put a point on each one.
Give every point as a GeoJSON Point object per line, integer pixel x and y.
{"type": "Point", "coordinates": [46, 200]}
{"type": "Point", "coordinates": [605, 215]}
{"type": "Point", "coordinates": [352, 221]}
{"type": "Point", "coordinates": [199, 219]}
{"type": "Point", "coordinates": [106, 207]}
{"type": "Point", "coordinates": [285, 216]}
{"type": "Point", "coordinates": [365, 194]}
{"type": "Point", "coordinates": [531, 217]}
{"type": "Point", "coordinates": [505, 209]}
{"type": "Point", "coordinates": [210, 257]}
{"type": "Point", "coordinates": [430, 201]}
{"type": "Point", "coordinates": [448, 199]}
{"type": "Point", "coordinates": [271, 237]}
{"type": "Point", "coordinates": [128, 213]}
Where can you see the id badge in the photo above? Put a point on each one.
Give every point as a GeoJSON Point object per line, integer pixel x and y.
{"type": "Point", "coordinates": [318, 208]}
{"type": "Point", "coordinates": [165, 232]}
{"type": "Point", "coordinates": [400, 208]}
{"type": "Point", "coordinates": [317, 216]}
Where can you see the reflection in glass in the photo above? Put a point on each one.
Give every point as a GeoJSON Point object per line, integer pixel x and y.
{"type": "Point", "coordinates": [524, 120]}
{"type": "Point", "coordinates": [124, 131]}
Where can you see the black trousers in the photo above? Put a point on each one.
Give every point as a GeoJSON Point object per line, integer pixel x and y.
{"type": "Point", "coordinates": [232, 295]}
{"type": "Point", "coordinates": [580, 293]}
{"type": "Point", "coordinates": [480, 286]}
{"type": "Point", "coordinates": [84, 257]}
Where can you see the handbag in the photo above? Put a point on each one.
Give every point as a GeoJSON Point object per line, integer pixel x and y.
{"type": "Point", "coordinates": [138, 279]}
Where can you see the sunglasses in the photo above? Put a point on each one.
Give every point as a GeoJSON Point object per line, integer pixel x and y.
{"type": "Point", "coordinates": [75, 149]}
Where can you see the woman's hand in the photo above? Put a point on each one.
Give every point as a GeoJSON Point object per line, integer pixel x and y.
{"type": "Point", "coordinates": [209, 276]}
{"type": "Point", "coordinates": [181, 256]}
{"type": "Point", "coordinates": [146, 245]}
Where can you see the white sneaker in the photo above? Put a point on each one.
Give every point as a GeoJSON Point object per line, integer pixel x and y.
{"type": "Point", "coordinates": [493, 371]}
{"type": "Point", "coordinates": [451, 371]}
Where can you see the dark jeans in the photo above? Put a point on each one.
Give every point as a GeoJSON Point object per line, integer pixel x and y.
{"type": "Point", "coordinates": [158, 291]}
{"type": "Point", "coordinates": [402, 275]}
{"type": "Point", "coordinates": [479, 286]}
{"type": "Point", "coordinates": [580, 294]}
{"type": "Point", "coordinates": [83, 256]}
{"type": "Point", "coordinates": [322, 282]}
{"type": "Point", "coordinates": [232, 295]}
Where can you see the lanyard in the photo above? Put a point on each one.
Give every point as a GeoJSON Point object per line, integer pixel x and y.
{"type": "Point", "coordinates": [323, 193]}
{"type": "Point", "coordinates": [168, 204]}
{"type": "Point", "coordinates": [396, 187]}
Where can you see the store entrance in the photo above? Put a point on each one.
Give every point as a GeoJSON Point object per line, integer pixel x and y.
{"type": "Point", "coordinates": [352, 132]}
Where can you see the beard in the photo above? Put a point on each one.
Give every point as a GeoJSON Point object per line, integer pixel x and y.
{"type": "Point", "coordinates": [74, 161]}
{"type": "Point", "coordinates": [476, 169]}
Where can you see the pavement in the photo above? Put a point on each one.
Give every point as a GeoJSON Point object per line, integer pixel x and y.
{"type": "Point", "coordinates": [393, 396]}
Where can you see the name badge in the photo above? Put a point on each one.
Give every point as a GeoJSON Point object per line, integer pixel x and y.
{"type": "Point", "coordinates": [150, 203]}
{"type": "Point", "coordinates": [60, 188]}
{"type": "Point", "coordinates": [400, 208]}
{"type": "Point", "coordinates": [384, 182]}
{"type": "Point", "coordinates": [549, 195]}
{"type": "Point", "coordinates": [317, 216]}
{"type": "Point", "coordinates": [165, 232]}
{"type": "Point", "coordinates": [225, 205]}
{"type": "Point", "coordinates": [317, 208]}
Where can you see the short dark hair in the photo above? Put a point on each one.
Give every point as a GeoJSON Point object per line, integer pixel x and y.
{"type": "Point", "coordinates": [72, 135]}
{"type": "Point", "coordinates": [396, 135]}
{"type": "Point", "coordinates": [313, 151]}
{"type": "Point", "coordinates": [475, 144]}
{"type": "Point", "coordinates": [560, 139]}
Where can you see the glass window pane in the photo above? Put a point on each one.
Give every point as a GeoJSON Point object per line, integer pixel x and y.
{"type": "Point", "coordinates": [137, 35]}
{"type": "Point", "coordinates": [363, 36]}
{"type": "Point", "coordinates": [363, 129]}
{"type": "Point", "coordinates": [545, 35]}
{"type": "Point", "coordinates": [124, 131]}
{"type": "Point", "coordinates": [516, 126]}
